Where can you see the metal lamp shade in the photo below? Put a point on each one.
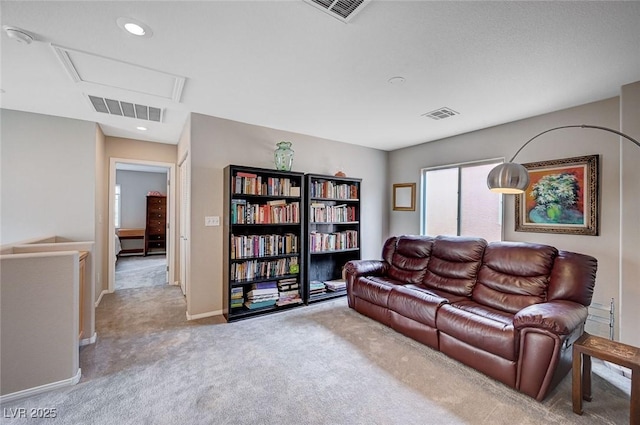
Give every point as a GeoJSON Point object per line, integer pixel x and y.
{"type": "Point", "coordinates": [508, 178]}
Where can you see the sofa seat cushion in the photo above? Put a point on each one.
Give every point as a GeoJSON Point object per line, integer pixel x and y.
{"type": "Point", "coordinates": [417, 305]}
{"type": "Point", "coordinates": [451, 298]}
{"type": "Point", "coordinates": [375, 289]}
{"type": "Point", "coordinates": [480, 326]}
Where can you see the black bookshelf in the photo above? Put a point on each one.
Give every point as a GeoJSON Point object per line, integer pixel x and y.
{"type": "Point", "coordinates": [332, 231]}
{"type": "Point", "coordinates": [265, 237]}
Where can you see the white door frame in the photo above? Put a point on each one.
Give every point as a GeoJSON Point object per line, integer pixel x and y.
{"type": "Point", "coordinates": [111, 267]}
{"type": "Point", "coordinates": [185, 223]}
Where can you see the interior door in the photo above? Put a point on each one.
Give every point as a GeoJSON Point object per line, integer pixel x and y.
{"type": "Point", "coordinates": [184, 224]}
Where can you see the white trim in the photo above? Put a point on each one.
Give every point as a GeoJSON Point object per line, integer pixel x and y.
{"type": "Point", "coordinates": [176, 283]}
{"type": "Point", "coordinates": [203, 315]}
{"type": "Point", "coordinates": [42, 388]}
{"type": "Point", "coordinates": [88, 341]}
{"type": "Point", "coordinates": [171, 252]}
{"type": "Point", "coordinates": [104, 291]}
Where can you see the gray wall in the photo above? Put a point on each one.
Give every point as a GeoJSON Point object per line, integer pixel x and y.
{"type": "Point", "coordinates": [216, 143]}
{"type": "Point", "coordinates": [503, 141]}
{"type": "Point", "coordinates": [630, 216]}
{"type": "Point", "coordinates": [134, 186]}
{"type": "Point", "coordinates": [47, 177]}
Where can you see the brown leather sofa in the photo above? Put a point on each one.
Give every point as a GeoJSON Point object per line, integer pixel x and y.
{"type": "Point", "coordinates": [511, 310]}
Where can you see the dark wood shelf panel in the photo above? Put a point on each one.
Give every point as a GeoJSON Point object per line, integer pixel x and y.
{"type": "Point", "coordinates": [335, 251]}
{"type": "Point", "coordinates": [327, 296]}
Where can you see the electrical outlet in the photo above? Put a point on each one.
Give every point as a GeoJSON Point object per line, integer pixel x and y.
{"type": "Point", "coordinates": [212, 221]}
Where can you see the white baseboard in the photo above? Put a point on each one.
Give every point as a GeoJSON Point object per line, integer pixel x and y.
{"type": "Point", "coordinates": [87, 341]}
{"type": "Point", "coordinates": [104, 291]}
{"type": "Point", "coordinates": [42, 388]}
{"type": "Point", "coordinates": [176, 283]}
{"type": "Point", "coordinates": [203, 315]}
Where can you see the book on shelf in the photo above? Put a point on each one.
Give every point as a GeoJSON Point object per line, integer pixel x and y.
{"type": "Point", "coordinates": [336, 284]}
{"type": "Point", "coordinates": [260, 298]}
{"type": "Point", "coordinates": [316, 286]}
{"type": "Point", "coordinates": [264, 285]}
{"type": "Point", "coordinates": [252, 306]}
{"type": "Point", "coordinates": [294, 191]}
{"type": "Point", "coordinates": [277, 202]}
{"type": "Point", "coordinates": [257, 292]}
{"type": "Point", "coordinates": [289, 301]}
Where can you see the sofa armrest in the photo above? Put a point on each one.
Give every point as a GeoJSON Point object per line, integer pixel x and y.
{"type": "Point", "coordinates": [357, 268]}
{"type": "Point", "coordinates": [559, 317]}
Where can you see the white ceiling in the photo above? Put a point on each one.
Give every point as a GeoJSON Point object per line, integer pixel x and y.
{"type": "Point", "coordinates": [289, 66]}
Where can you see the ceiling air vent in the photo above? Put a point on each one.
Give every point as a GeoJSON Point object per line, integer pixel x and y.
{"type": "Point", "coordinates": [343, 10]}
{"type": "Point", "coordinates": [440, 113]}
{"type": "Point", "coordinates": [126, 109]}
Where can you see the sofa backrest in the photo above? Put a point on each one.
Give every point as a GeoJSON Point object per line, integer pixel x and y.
{"type": "Point", "coordinates": [454, 265]}
{"type": "Point", "coordinates": [573, 278]}
{"type": "Point", "coordinates": [407, 256]}
{"type": "Point", "coordinates": [514, 275]}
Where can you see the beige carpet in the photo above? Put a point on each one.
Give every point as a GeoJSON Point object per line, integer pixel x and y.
{"type": "Point", "coordinates": [321, 364]}
{"type": "Point", "coordinates": [139, 272]}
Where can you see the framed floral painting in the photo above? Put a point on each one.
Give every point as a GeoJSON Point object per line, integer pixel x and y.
{"type": "Point", "coordinates": [562, 197]}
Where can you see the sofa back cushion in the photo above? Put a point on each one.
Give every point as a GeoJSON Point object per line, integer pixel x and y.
{"type": "Point", "coordinates": [514, 275]}
{"type": "Point", "coordinates": [454, 264]}
{"type": "Point", "coordinates": [573, 278]}
{"type": "Point", "coordinates": [407, 256]}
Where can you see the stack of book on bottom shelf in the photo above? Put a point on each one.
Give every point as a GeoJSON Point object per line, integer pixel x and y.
{"type": "Point", "coordinates": [237, 296]}
{"type": "Point", "coordinates": [336, 285]}
{"type": "Point", "coordinates": [262, 294]}
{"type": "Point", "coordinates": [288, 292]}
{"type": "Point", "coordinates": [316, 288]}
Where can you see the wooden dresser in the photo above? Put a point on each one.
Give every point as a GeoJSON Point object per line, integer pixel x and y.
{"type": "Point", "coordinates": [155, 241]}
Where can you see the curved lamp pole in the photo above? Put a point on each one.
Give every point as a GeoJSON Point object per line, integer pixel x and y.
{"type": "Point", "coordinates": [512, 178]}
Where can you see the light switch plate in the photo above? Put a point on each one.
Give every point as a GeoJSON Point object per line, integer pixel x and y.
{"type": "Point", "coordinates": [212, 220]}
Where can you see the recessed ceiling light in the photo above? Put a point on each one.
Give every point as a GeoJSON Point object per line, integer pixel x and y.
{"type": "Point", "coordinates": [135, 27]}
{"type": "Point", "coordinates": [141, 128]}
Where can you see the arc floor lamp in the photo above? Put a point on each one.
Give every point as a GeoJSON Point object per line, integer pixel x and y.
{"type": "Point", "coordinates": [513, 178]}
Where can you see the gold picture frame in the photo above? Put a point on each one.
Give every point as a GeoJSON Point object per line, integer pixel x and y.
{"type": "Point", "coordinates": [404, 197]}
{"type": "Point", "coordinates": [562, 197]}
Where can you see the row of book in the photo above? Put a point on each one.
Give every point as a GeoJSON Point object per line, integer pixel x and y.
{"type": "Point", "coordinates": [329, 189]}
{"type": "Point", "coordinates": [322, 213]}
{"type": "Point", "coordinates": [273, 212]}
{"type": "Point", "coordinates": [237, 296]}
{"type": "Point", "coordinates": [317, 287]}
{"type": "Point", "coordinates": [252, 184]}
{"type": "Point", "coordinates": [319, 242]}
{"type": "Point", "coordinates": [244, 246]}
{"type": "Point", "coordinates": [288, 292]}
{"type": "Point", "coordinates": [267, 294]}
{"type": "Point", "coordinates": [256, 269]}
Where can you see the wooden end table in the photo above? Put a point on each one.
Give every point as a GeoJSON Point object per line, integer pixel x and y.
{"type": "Point", "coordinates": [611, 351]}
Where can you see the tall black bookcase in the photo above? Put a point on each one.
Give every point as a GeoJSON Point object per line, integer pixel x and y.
{"type": "Point", "coordinates": [265, 239]}
{"type": "Point", "coordinates": [332, 232]}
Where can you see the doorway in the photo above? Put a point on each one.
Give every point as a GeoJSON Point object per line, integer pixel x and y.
{"type": "Point", "coordinates": [141, 252]}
